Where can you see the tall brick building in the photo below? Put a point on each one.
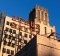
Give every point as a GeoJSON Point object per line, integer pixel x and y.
{"type": "Point", "coordinates": [16, 34]}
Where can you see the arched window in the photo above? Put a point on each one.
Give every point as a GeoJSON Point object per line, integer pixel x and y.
{"type": "Point", "coordinates": [38, 14]}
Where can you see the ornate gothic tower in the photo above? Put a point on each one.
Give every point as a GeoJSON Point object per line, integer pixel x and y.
{"type": "Point", "coordinates": [39, 22]}
{"type": "Point", "coordinates": [39, 15]}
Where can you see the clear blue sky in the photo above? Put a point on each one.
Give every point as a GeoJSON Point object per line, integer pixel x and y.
{"type": "Point", "coordinates": [22, 8]}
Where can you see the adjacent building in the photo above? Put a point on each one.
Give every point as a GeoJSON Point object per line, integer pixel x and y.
{"type": "Point", "coordinates": [16, 34]}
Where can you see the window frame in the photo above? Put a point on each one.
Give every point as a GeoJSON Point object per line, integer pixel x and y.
{"type": "Point", "coordinates": [7, 23]}
{"type": "Point", "coordinates": [4, 50]}
{"type": "Point", "coordinates": [8, 51]}
{"type": "Point", "coordinates": [6, 35]}
{"type": "Point", "coordinates": [25, 41]}
{"type": "Point", "coordinates": [13, 45]}
{"type": "Point", "coordinates": [7, 29]}
{"type": "Point", "coordinates": [14, 31]}
{"type": "Point", "coordinates": [10, 31]}
{"type": "Point", "coordinates": [25, 35]}
{"type": "Point", "coordinates": [5, 42]}
{"type": "Point", "coordinates": [9, 44]}
{"type": "Point", "coordinates": [12, 52]}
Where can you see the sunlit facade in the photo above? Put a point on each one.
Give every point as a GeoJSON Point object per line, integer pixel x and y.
{"type": "Point", "coordinates": [15, 34]}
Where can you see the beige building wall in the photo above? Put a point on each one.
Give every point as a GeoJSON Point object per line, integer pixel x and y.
{"type": "Point", "coordinates": [41, 28]}
{"type": "Point", "coordinates": [22, 30]}
{"type": "Point", "coordinates": [4, 31]}
{"type": "Point", "coordinates": [47, 46]}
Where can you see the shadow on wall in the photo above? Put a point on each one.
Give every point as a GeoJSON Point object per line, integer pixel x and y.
{"type": "Point", "coordinates": [49, 54]}
{"type": "Point", "coordinates": [29, 49]}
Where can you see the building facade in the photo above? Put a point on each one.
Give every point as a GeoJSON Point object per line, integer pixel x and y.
{"type": "Point", "coordinates": [15, 34]}
{"type": "Point", "coordinates": [40, 46]}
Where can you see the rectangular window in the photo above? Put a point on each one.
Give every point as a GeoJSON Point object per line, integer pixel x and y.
{"type": "Point", "coordinates": [12, 52]}
{"type": "Point", "coordinates": [8, 51]}
{"type": "Point", "coordinates": [6, 35]}
{"type": "Point", "coordinates": [5, 42]}
{"type": "Point", "coordinates": [19, 46]}
{"type": "Point", "coordinates": [13, 44]}
{"type": "Point", "coordinates": [14, 31]}
{"type": "Point", "coordinates": [9, 37]}
{"type": "Point", "coordinates": [13, 38]}
{"type": "Point", "coordinates": [25, 35]}
{"type": "Point", "coordinates": [10, 30]}
{"type": "Point", "coordinates": [45, 16]}
{"type": "Point", "coordinates": [9, 43]}
{"type": "Point", "coordinates": [39, 15]}
{"type": "Point", "coordinates": [4, 50]}
{"type": "Point", "coordinates": [7, 29]}
{"type": "Point", "coordinates": [42, 15]}
{"type": "Point", "coordinates": [45, 30]}
{"type": "Point", "coordinates": [30, 36]}
{"type": "Point", "coordinates": [7, 23]}
{"type": "Point", "coordinates": [25, 41]}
